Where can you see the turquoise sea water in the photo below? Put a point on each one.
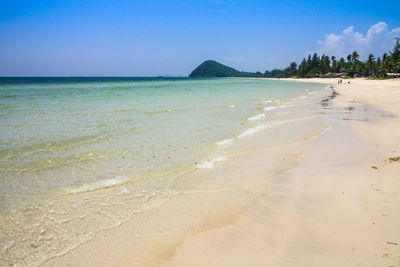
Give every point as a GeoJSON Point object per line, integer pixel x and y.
{"type": "Point", "coordinates": [68, 131]}
{"type": "Point", "coordinates": [64, 138]}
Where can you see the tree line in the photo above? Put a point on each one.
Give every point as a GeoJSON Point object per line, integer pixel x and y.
{"type": "Point", "coordinates": [352, 66]}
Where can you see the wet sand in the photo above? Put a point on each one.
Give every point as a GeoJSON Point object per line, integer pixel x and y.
{"type": "Point", "coordinates": [330, 199]}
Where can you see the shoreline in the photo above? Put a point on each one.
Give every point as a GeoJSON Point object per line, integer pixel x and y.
{"type": "Point", "coordinates": [339, 207]}
{"type": "Point", "coordinates": [329, 205]}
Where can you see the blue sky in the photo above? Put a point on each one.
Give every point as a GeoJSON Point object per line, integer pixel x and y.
{"type": "Point", "coordinates": [150, 38]}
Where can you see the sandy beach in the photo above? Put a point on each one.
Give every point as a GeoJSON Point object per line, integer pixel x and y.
{"type": "Point", "coordinates": [199, 133]}
{"type": "Point", "coordinates": [336, 204]}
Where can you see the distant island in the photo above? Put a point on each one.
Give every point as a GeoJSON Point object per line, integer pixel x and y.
{"type": "Point", "coordinates": [315, 66]}
{"type": "Point", "coordinates": [212, 68]}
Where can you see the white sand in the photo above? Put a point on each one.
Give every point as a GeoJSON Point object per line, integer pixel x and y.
{"type": "Point", "coordinates": [339, 206]}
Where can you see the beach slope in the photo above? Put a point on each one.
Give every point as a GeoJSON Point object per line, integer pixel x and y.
{"type": "Point", "coordinates": [340, 205]}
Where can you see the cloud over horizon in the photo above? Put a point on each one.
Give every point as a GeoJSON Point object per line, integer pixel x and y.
{"type": "Point", "coordinates": [378, 40]}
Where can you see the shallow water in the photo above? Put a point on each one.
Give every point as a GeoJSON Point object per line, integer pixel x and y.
{"type": "Point", "coordinates": [81, 155]}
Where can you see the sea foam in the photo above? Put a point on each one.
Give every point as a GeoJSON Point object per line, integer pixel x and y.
{"type": "Point", "coordinates": [96, 185]}
{"type": "Point", "coordinates": [256, 117]}
{"type": "Point", "coordinates": [270, 100]}
{"type": "Point", "coordinates": [275, 107]}
{"type": "Point", "coordinates": [123, 191]}
{"type": "Point", "coordinates": [225, 142]}
{"type": "Point", "coordinates": [269, 108]}
{"type": "Point", "coordinates": [208, 164]}
{"type": "Point", "coordinates": [252, 131]}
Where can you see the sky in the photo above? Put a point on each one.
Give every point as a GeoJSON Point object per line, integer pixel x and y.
{"type": "Point", "coordinates": [172, 37]}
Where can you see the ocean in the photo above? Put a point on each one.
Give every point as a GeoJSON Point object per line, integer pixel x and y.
{"type": "Point", "coordinates": [83, 155]}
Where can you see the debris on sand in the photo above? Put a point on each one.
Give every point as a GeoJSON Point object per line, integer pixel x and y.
{"type": "Point", "coordinates": [394, 159]}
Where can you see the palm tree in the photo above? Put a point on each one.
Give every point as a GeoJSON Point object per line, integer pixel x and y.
{"type": "Point", "coordinates": [342, 65]}
{"type": "Point", "coordinates": [370, 64]}
{"type": "Point", "coordinates": [385, 68]}
{"type": "Point", "coordinates": [349, 68]}
{"type": "Point", "coordinates": [354, 58]}
{"type": "Point", "coordinates": [395, 56]}
{"type": "Point", "coordinates": [334, 64]}
{"type": "Point", "coordinates": [349, 59]}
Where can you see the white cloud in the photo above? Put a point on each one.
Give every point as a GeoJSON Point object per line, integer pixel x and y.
{"type": "Point", "coordinates": [377, 41]}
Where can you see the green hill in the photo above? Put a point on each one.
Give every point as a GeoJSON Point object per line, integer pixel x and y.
{"type": "Point", "coordinates": [211, 68]}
